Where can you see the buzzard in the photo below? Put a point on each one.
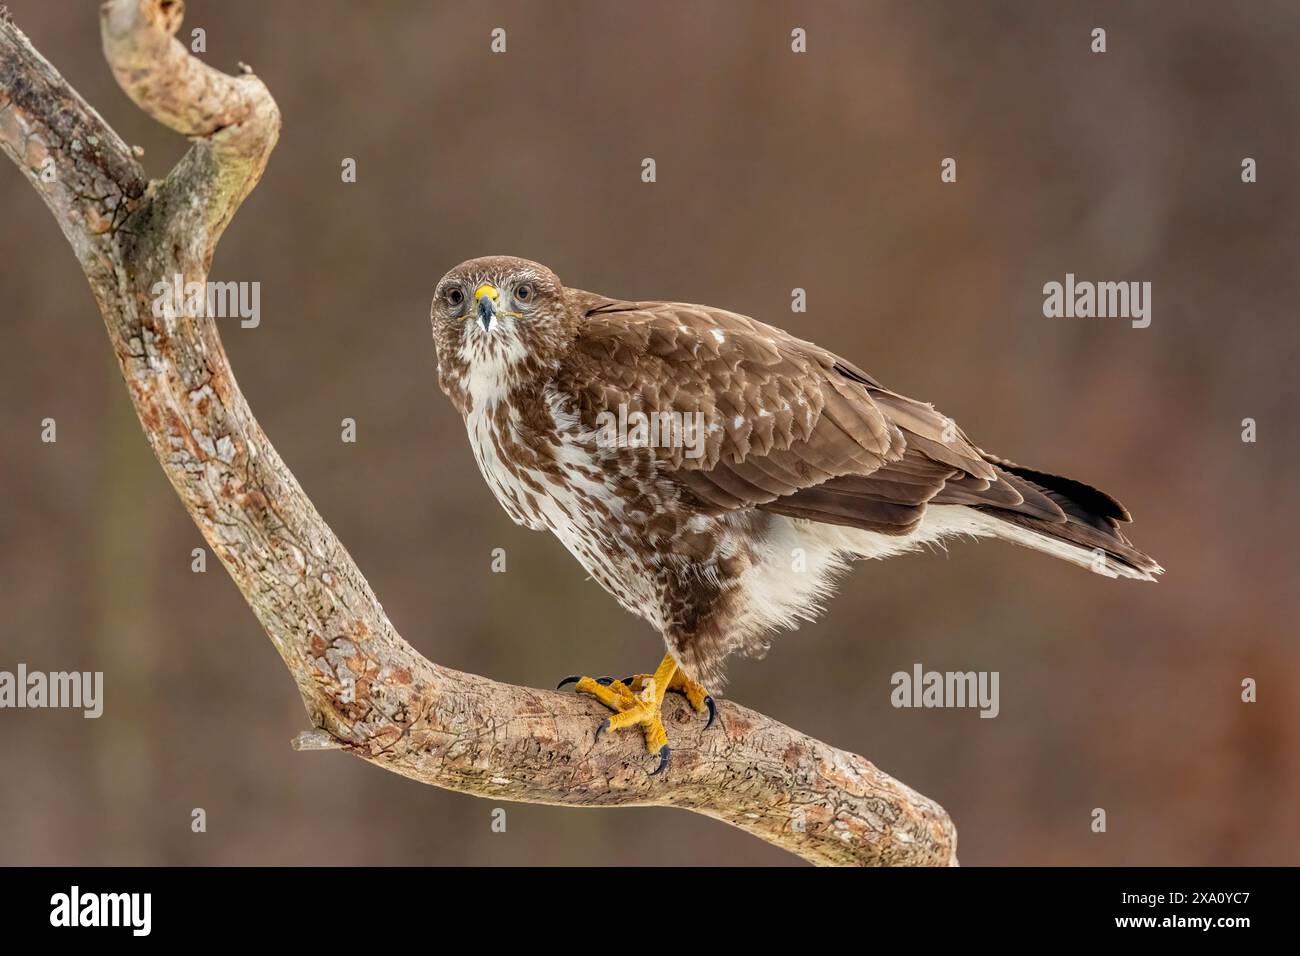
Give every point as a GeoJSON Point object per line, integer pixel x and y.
{"type": "Point", "coordinates": [777, 465]}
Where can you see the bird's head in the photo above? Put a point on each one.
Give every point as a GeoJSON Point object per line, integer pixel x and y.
{"type": "Point", "coordinates": [499, 319]}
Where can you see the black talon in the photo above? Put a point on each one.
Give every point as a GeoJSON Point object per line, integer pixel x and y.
{"type": "Point", "coordinates": [713, 711]}
{"type": "Point", "coordinates": [604, 681]}
{"type": "Point", "coordinates": [568, 680]}
{"type": "Point", "coordinates": [664, 754]}
{"type": "Point", "coordinates": [604, 726]}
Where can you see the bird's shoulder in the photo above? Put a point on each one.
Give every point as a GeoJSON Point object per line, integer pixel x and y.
{"type": "Point", "coordinates": [758, 386]}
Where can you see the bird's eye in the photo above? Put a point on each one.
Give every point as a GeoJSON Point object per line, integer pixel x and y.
{"type": "Point", "coordinates": [455, 297]}
{"type": "Point", "coordinates": [524, 293]}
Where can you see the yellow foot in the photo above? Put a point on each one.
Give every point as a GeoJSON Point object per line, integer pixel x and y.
{"type": "Point", "coordinates": [694, 692]}
{"type": "Point", "coordinates": [639, 700]}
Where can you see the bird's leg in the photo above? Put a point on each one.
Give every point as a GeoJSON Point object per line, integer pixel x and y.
{"type": "Point", "coordinates": [639, 700]}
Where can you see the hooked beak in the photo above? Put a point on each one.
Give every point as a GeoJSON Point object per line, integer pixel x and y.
{"type": "Point", "coordinates": [486, 296]}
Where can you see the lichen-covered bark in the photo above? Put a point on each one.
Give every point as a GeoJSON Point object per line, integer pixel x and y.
{"type": "Point", "coordinates": [365, 689]}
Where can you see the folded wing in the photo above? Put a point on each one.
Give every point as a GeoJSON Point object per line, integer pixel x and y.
{"type": "Point", "coordinates": [793, 429]}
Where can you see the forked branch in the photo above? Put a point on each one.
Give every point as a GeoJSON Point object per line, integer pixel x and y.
{"type": "Point", "coordinates": [365, 689]}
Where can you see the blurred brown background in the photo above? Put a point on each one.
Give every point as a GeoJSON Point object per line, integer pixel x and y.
{"type": "Point", "coordinates": [775, 170]}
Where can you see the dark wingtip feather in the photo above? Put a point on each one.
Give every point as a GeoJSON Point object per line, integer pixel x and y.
{"type": "Point", "coordinates": [1090, 499]}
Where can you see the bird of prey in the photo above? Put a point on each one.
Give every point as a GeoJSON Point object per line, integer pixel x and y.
{"type": "Point", "coordinates": [778, 463]}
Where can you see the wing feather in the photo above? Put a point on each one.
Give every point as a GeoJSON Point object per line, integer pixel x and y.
{"type": "Point", "coordinates": [789, 427]}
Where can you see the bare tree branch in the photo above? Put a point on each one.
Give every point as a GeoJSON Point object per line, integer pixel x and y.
{"type": "Point", "coordinates": [365, 689]}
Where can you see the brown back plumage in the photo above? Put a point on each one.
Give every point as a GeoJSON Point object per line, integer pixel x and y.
{"type": "Point", "coordinates": [795, 430]}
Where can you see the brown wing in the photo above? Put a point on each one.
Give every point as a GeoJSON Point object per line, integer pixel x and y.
{"type": "Point", "coordinates": [791, 428]}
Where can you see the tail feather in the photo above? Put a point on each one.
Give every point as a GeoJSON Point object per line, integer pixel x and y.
{"type": "Point", "coordinates": [1088, 534]}
{"type": "Point", "coordinates": [1106, 552]}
